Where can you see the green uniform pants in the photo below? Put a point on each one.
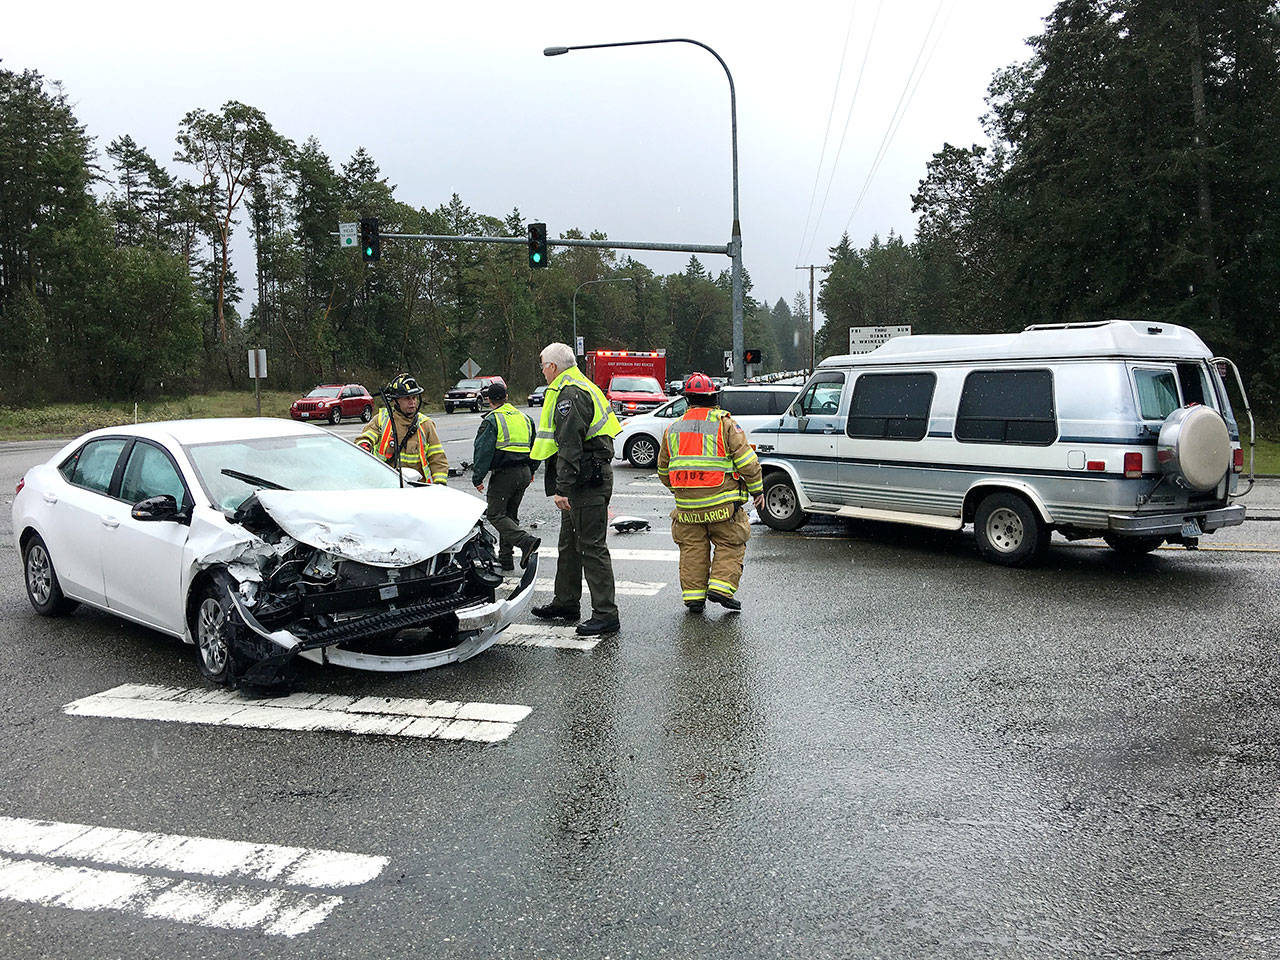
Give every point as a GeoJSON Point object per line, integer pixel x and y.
{"type": "Point", "coordinates": [584, 551]}
{"type": "Point", "coordinates": [506, 489]}
{"type": "Point", "coordinates": [699, 570]}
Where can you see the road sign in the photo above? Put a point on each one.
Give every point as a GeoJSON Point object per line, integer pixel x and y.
{"type": "Point", "coordinates": [866, 339]}
{"type": "Point", "coordinates": [257, 364]}
{"type": "Point", "coordinates": [348, 235]}
{"type": "Point", "coordinates": [728, 361]}
{"type": "Point", "coordinates": [580, 346]}
{"type": "Point", "coordinates": [470, 368]}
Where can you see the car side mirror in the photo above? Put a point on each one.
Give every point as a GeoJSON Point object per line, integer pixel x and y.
{"type": "Point", "coordinates": [163, 507]}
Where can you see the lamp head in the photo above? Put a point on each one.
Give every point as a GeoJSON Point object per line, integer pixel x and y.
{"type": "Point", "coordinates": [554, 51]}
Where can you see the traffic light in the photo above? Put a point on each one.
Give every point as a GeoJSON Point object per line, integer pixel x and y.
{"type": "Point", "coordinates": [537, 245]}
{"type": "Point", "coordinates": [370, 243]}
{"type": "Point", "coordinates": [751, 356]}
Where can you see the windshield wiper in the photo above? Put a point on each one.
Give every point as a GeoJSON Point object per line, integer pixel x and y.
{"type": "Point", "coordinates": [250, 479]}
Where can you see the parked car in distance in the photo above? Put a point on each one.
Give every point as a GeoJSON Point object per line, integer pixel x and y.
{"type": "Point", "coordinates": [469, 393]}
{"type": "Point", "coordinates": [535, 397]}
{"type": "Point", "coordinates": [675, 388]}
{"type": "Point", "coordinates": [259, 542]}
{"type": "Point", "coordinates": [334, 402]}
{"type": "Point", "coordinates": [750, 406]}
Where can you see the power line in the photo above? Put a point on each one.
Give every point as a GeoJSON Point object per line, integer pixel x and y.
{"type": "Point", "coordinates": [822, 155]}
{"type": "Point", "coordinates": [866, 55]}
{"type": "Point", "coordinates": [904, 101]}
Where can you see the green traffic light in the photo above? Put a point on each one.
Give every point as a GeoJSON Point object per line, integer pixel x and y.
{"type": "Point", "coordinates": [368, 251]}
{"type": "Point", "coordinates": [536, 258]}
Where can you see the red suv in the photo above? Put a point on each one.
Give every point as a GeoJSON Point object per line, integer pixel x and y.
{"type": "Point", "coordinates": [334, 402]}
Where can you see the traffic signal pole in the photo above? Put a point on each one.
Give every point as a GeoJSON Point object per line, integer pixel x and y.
{"type": "Point", "coordinates": [723, 249]}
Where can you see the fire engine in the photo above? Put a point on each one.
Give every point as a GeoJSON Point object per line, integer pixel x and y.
{"type": "Point", "coordinates": [632, 380]}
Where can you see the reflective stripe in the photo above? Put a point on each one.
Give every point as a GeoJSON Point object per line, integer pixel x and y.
{"type": "Point", "coordinates": [699, 463]}
{"type": "Point", "coordinates": [694, 594]}
{"type": "Point", "coordinates": [719, 586]}
{"type": "Point", "coordinates": [711, 427]}
{"type": "Point", "coordinates": [715, 500]}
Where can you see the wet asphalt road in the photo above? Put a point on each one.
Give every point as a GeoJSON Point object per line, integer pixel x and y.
{"type": "Point", "coordinates": [895, 750]}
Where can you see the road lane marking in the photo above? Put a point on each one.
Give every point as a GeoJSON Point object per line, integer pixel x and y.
{"type": "Point", "coordinates": [618, 553]}
{"type": "Point", "coordinates": [183, 854]}
{"type": "Point", "coordinates": [388, 716]}
{"type": "Point", "coordinates": [624, 588]}
{"type": "Point", "coordinates": [271, 910]}
{"type": "Point", "coordinates": [540, 635]}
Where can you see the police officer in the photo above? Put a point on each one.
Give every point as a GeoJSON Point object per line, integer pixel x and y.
{"type": "Point", "coordinates": [708, 464]}
{"type": "Point", "coordinates": [502, 450]}
{"type": "Point", "coordinates": [575, 437]}
{"type": "Point", "coordinates": [399, 429]}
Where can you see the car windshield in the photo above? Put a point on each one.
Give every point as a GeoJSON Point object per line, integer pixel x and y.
{"type": "Point", "coordinates": [325, 392]}
{"type": "Point", "coordinates": [635, 385]}
{"type": "Point", "coordinates": [468, 385]}
{"type": "Point", "coordinates": [294, 462]}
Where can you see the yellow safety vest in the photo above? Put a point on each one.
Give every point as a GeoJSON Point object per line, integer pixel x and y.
{"type": "Point", "coordinates": [603, 422]}
{"type": "Point", "coordinates": [513, 429]}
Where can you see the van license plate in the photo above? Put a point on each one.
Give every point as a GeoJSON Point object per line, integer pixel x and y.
{"type": "Point", "coordinates": [1191, 528]}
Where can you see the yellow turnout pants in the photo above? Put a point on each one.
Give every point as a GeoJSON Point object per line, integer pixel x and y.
{"type": "Point", "coordinates": [699, 569]}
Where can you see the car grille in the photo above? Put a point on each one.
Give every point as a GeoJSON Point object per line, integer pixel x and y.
{"type": "Point", "coordinates": [308, 406]}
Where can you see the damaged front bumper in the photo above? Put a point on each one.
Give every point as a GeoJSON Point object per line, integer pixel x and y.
{"type": "Point", "coordinates": [478, 628]}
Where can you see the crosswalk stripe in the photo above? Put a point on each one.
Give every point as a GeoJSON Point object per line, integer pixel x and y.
{"type": "Point", "coordinates": [624, 588]}
{"type": "Point", "coordinates": [536, 635]}
{"type": "Point", "coordinates": [390, 716]}
{"type": "Point", "coordinates": [183, 854]}
{"type": "Point", "coordinates": [621, 553]}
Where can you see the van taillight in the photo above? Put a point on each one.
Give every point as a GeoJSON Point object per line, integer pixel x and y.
{"type": "Point", "coordinates": [1237, 462]}
{"type": "Point", "coordinates": [1133, 465]}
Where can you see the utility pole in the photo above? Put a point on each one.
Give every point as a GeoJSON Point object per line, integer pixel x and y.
{"type": "Point", "coordinates": [812, 342]}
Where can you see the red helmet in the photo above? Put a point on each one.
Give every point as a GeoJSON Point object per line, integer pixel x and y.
{"type": "Point", "coordinates": [700, 384]}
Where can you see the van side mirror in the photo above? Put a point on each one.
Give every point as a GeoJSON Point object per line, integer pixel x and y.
{"type": "Point", "coordinates": [163, 507]}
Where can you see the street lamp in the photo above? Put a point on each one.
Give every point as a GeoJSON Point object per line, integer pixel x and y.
{"type": "Point", "coordinates": [575, 303]}
{"type": "Point", "coordinates": [735, 239]}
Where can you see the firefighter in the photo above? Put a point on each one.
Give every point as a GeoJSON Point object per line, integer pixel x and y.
{"type": "Point", "coordinates": [575, 438]}
{"type": "Point", "coordinates": [707, 463]}
{"type": "Point", "coordinates": [502, 451]}
{"type": "Point", "coordinates": [401, 426]}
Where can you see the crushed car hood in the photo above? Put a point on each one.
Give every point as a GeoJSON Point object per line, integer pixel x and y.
{"type": "Point", "coordinates": [383, 528]}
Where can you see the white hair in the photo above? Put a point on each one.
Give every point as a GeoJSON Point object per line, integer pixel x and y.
{"type": "Point", "coordinates": [561, 354]}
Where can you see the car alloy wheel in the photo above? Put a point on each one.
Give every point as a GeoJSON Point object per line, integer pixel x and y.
{"type": "Point", "coordinates": [366, 414]}
{"type": "Point", "coordinates": [211, 637]}
{"type": "Point", "coordinates": [642, 451]}
{"type": "Point", "coordinates": [39, 574]}
{"type": "Point", "coordinates": [335, 416]}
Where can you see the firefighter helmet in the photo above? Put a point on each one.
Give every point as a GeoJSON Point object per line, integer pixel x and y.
{"type": "Point", "coordinates": [403, 386]}
{"type": "Point", "coordinates": [700, 385]}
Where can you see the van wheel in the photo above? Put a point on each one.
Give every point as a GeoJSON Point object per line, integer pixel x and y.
{"type": "Point", "coordinates": [1008, 531]}
{"type": "Point", "coordinates": [642, 451]}
{"type": "Point", "coordinates": [782, 504]}
{"type": "Point", "coordinates": [1132, 546]}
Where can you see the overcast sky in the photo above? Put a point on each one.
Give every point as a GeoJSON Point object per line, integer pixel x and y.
{"type": "Point", "coordinates": [458, 98]}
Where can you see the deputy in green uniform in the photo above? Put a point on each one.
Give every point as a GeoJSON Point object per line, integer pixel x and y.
{"type": "Point", "coordinates": [575, 438]}
{"type": "Point", "coordinates": [502, 450]}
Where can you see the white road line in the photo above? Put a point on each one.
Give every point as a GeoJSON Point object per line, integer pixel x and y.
{"type": "Point", "coordinates": [182, 854]}
{"type": "Point", "coordinates": [618, 553]}
{"type": "Point", "coordinates": [537, 635]}
{"type": "Point", "coordinates": [285, 913]}
{"type": "Point", "coordinates": [390, 716]}
{"type": "Point", "coordinates": [625, 588]}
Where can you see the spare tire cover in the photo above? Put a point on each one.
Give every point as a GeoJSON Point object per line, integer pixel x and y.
{"type": "Point", "coordinates": [1195, 447]}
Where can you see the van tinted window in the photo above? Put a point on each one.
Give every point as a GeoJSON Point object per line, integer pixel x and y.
{"type": "Point", "coordinates": [747, 403]}
{"type": "Point", "coordinates": [1007, 406]}
{"type": "Point", "coordinates": [892, 406]}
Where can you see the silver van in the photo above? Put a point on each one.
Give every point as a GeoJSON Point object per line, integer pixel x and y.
{"type": "Point", "coordinates": [1120, 429]}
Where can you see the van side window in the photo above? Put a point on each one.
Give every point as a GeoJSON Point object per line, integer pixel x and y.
{"type": "Point", "coordinates": [1157, 393]}
{"type": "Point", "coordinates": [1194, 388]}
{"type": "Point", "coordinates": [1007, 406]}
{"type": "Point", "coordinates": [891, 406]}
{"type": "Point", "coordinates": [746, 403]}
{"type": "Point", "coordinates": [822, 397]}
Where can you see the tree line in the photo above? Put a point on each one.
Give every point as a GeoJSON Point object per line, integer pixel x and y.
{"type": "Point", "coordinates": [1132, 170]}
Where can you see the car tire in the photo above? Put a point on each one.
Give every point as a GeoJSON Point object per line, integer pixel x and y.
{"type": "Point", "coordinates": [43, 589]}
{"type": "Point", "coordinates": [642, 450]}
{"type": "Point", "coordinates": [335, 416]}
{"type": "Point", "coordinates": [448, 408]}
{"type": "Point", "coordinates": [1008, 530]}
{"type": "Point", "coordinates": [209, 628]}
{"type": "Point", "coordinates": [782, 503]}
{"type": "Point", "coordinates": [366, 414]}
{"type": "Point", "coordinates": [1132, 546]}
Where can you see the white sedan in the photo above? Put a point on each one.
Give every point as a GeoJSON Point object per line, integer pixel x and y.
{"type": "Point", "coordinates": [261, 541]}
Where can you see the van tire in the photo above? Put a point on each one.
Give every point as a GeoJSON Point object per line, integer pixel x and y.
{"type": "Point", "coordinates": [1008, 530]}
{"type": "Point", "coordinates": [642, 451]}
{"type": "Point", "coordinates": [782, 503]}
{"type": "Point", "coordinates": [1132, 546]}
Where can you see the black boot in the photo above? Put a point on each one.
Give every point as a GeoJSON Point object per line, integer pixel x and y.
{"type": "Point", "coordinates": [696, 606]}
{"type": "Point", "coordinates": [598, 626]}
{"type": "Point", "coordinates": [729, 603]}
{"type": "Point", "coordinates": [552, 612]}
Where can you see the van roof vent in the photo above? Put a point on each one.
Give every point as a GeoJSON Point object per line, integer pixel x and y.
{"type": "Point", "coordinates": [1086, 325]}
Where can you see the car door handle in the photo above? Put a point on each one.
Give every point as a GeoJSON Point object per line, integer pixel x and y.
{"type": "Point", "coordinates": [828, 429]}
{"type": "Point", "coordinates": [108, 521]}
{"type": "Point", "coordinates": [50, 498]}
